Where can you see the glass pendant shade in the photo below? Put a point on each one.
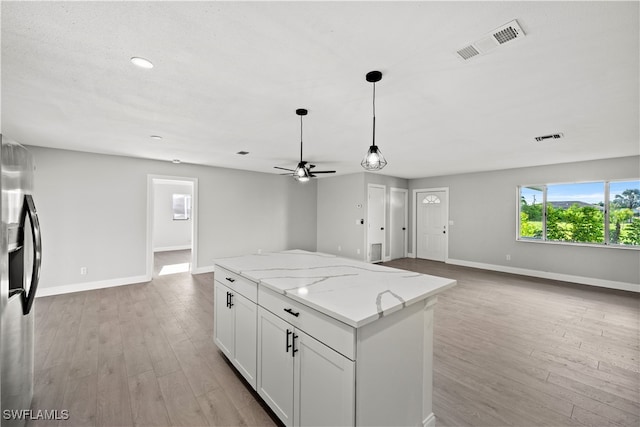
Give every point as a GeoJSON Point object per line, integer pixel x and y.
{"type": "Point", "coordinates": [374, 160]}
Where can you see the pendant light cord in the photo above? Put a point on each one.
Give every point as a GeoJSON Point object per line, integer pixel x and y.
{"type": "Point", "coordinates": [374, 114]}
{"type": "Point", "coordinates": [300, 139]}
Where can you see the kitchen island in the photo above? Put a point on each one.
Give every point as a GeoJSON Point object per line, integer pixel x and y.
{"type": "Point", "coordinates": [326, 340]}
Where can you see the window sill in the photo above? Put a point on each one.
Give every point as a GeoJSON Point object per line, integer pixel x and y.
{"type": "Point", "coordinates": [588, 245]}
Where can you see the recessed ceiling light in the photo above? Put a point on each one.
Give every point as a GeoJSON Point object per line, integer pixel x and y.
{"type": "Point", "coordinates": [141, 62]}
{"type": "Point", "coordinates": [158, 137]}
{"type": "Point", "coordinates": [242, 153]}
{"type": "Point", "coordinates": [176, 161]}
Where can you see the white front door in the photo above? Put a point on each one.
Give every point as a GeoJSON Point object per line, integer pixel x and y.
{"type": "Point", "coordinates": [431, 225]}
{"type": "Point", "coordinates": [375, 221]}
{"type": "Point", "coordinates": [398, 223]}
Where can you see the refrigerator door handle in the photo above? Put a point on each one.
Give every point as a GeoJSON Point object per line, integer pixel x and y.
{"type": "Point", "coordinates": [27, 299]}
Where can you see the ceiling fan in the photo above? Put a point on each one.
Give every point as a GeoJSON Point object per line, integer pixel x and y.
{"type": "Point", "coordinates": [303, 171]}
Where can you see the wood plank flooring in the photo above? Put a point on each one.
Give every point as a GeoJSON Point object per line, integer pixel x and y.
{"type": "Point", "coordinates": [508, 351]}
{"type": "Point", "coordinates": [519, 351]}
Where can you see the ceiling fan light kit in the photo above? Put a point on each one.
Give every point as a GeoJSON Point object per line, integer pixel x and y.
{"type": "Point", "coordinates": [302, 172]}
{"type": "Point", "coordinates": [374, 160]}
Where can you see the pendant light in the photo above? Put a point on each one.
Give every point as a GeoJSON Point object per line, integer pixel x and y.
{"type": "Point", "coordinates": [301, 174]}
{"type": "Point", "coordinates": [374, 161]}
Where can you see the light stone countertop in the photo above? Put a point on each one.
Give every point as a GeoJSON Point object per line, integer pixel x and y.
{"type": "Point", "coordinates": [354, 292]}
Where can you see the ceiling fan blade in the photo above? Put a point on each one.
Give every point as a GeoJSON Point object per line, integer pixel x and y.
{"type": "Point", "coordinates": [312, 175]}
{"type": "Point", "coordinates": [312, 166]}
{"type": "Point", "coordinates": [324, 171]}
{"type": "Point", "coordinates": [284, 169]}
{"type": "Point", "coordinates": [288, 174]}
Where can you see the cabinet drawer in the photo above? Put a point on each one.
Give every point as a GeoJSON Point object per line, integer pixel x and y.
{"type": "Point", "coordinates": [329, 331]}
{"type": "Point", "coordinates": [237, 283]}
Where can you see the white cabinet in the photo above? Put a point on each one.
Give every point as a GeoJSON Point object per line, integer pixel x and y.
{"type": "Point", "coordinates": [313, 360]}
{"type": "Point", "coordinates": [235, 327]}
{"type": "Point", "coordinates": [302, 380]}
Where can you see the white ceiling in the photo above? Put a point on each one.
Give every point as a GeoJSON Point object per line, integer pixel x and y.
{"type": "Point", "coordinates": [229, 76]}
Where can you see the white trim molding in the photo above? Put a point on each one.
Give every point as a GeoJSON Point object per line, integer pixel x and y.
{"type": "Point", "coordinates": [89, 286]}
{"type": "Point", "coordinates": [591, 281]}
{"type": "Point", "coordinates": [430, 421]}
{"type": "Point", "coordinates": [151, 180]}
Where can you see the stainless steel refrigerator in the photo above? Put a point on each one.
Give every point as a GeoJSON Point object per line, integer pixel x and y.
{"type": "Point", "coordinates": [21, 253]}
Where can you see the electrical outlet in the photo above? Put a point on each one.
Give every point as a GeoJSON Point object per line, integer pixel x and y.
{"type": "Point", "coordinates": [339, 248]}
{"type": "Point", "coordinates": [358, 251]}
{"type": "Point", "coordinates": [508, 257]}
{"type": "Point", "coordinates": [83, 271]}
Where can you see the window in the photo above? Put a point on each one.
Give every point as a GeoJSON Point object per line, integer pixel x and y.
{"type": "Point", "coordinates": [577, 213]}
{"type": "Point", "coordinates": [181, 206]}
{"type": "Point", "coordinates": [624, 213]}
{"type": "Point", "coordinates": [431, 198]}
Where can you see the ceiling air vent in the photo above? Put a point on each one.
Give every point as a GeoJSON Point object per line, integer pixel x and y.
{"type": "Point", "coordinates": [553, 136]}
{"type": "Point", "coordinates": [497, 37]}
{"type": "Point", "coordinates": [468, 52]}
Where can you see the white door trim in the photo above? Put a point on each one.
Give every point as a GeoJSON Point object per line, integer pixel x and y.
{"type": "Point", "coordinates": [406, 219]}
{"type": "Point", "coordinates": [384, 221]}
{"type": "Point", "coordinates": [414, 211]}
{"type": "Point", "coordinates": [150, 214]}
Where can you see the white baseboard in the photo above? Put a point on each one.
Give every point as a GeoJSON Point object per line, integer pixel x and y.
{"type": "Point", "coordinates": [430, 421]}
{"type": "Point", "coordinates": [172, 248]}
{"type": "Point", "coordinates": [88, 286]}
{"type": "Point", "coordinates": [611, 284]}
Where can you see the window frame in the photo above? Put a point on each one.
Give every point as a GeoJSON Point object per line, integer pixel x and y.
{"type": "Point", "coordinates": [607, 211]}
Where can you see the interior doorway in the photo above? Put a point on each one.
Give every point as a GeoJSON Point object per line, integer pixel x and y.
{"type": "Point", "coordinates": [171, 225]}
{"type": "Point", "coordinates": [398, 222]}
{"type": "Point", "coordinates": [431, 223]}
{"type": "Point", "coordinates": [376, 219]}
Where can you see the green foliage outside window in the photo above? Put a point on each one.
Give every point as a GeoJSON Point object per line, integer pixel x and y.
{"type": "Point", "coordinates": [583, 223]}
{"type": "Point", "coordinates": [576, 224]}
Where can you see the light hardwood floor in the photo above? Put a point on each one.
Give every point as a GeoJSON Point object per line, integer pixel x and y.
{"type": "Point", "coordinates": [509, 351]}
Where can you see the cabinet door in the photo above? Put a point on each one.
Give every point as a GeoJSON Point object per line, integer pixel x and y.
{"type": "Point", "coordinates": [275, 364]}
{"type": "Point", "coordinates": [245, 337]}
{"type": "Point", "coordinates": [223, 332]}
{"type": "Point", "coordinates": [324, 385]}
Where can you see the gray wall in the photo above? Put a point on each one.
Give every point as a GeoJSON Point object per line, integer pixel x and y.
{"type": "Point", "coordinates": [340, 207]}
{"type": "Point", "coordinates": [338, 212]}
{"type": "Point", "coordinates": [483, 207]}
{"type": "Point", "coordinates": [93, 212]}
